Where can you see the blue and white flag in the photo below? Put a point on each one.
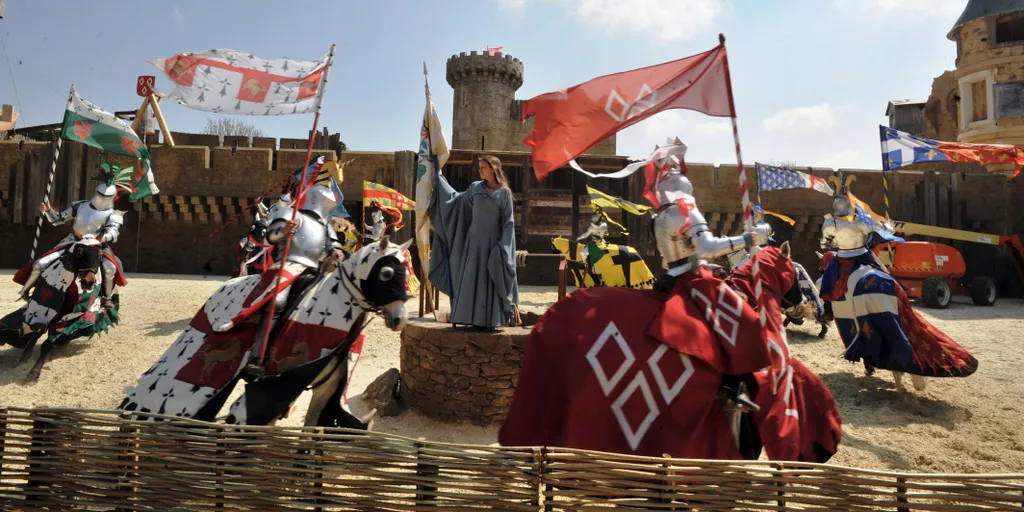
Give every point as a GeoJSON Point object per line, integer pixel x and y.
{"type": "Point", "coordinates": [900, 149]}
{"type": "Point", "coordinates": [779, 178]}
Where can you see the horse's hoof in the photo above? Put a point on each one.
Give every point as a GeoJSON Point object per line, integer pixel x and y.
{"type": "Point", "coordinates": [919, 382]}
{"type": "Point", "coordinates": [32, 377]}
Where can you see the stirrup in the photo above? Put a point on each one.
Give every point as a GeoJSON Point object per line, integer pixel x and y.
{"type": "Point", "coordinates": [253, 372]}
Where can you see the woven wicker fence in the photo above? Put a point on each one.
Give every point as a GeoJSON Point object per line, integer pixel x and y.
{"type": "Point", "coordinates": [61, 459]}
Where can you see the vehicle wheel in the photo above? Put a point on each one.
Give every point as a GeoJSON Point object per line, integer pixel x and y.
{"type": "Point", "coordinates": [983, 291]}
{"type": "Point", "coordinates": [936, 293]}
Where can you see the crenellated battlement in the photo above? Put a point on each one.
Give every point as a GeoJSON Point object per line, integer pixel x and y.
{"type": "Point", "coordinates": [475, 66]}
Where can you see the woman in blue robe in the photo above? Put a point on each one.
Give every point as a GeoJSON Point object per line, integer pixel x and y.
{"type": "Point", "coordinates": [473, 250]}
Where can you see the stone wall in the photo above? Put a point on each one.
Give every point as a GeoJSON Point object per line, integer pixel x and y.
{"type": "Point", "coordinates": [204, 187]}
{"type": "Point", "coordinates": [460, 374]}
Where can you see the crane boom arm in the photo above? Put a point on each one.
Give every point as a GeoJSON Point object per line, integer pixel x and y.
{"type": "Point", "coordinates": [909, 228]}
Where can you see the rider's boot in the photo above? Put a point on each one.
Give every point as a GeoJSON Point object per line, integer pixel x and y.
{"type": "Point", "coordinates": [30, 282]}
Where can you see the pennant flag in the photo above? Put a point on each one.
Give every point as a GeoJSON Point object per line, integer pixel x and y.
{"type": "Point", "coordinates": [900, 149]}
{"type": "Point", "coordinates": [386, 197]}
{"type": "Point", "coordinates": [598, 198]}
{"type": "Point", "coordinates": [86, 123]}
{"type": "Point", "coordinates": [238, 83]}
{"type": "Point", "coordinates": [569, 121]}
{"type": "Point", "coordinates": [780, 178]}
{"type": "Point", "coordinates": [432, 155]}
{"type": "Point", "coordinates": [493, 51]}
{"type": "Point", "coordinates": [759, 214]}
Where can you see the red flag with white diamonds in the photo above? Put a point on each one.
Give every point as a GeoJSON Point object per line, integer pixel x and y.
{"type": "Point", "coordinates": [232, 82]}
{"type": "Point", "coordinates": [569, 121]}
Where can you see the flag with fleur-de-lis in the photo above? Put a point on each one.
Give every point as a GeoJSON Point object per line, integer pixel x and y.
{"type": "Point", "coordinates": [239, 83]}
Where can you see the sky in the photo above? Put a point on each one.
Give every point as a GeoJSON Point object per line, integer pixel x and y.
{"type": "Point", "coordinates": [811, 78]}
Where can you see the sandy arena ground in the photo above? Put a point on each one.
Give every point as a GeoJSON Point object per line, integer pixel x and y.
{"type": "Point", "coordinates": [960, 425]}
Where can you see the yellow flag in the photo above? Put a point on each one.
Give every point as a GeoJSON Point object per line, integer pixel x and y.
{"type": "Point", "coordinates": [603, 200]}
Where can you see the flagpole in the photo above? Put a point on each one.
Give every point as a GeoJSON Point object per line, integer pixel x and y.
{"type": "Point", "coordinates": [748, 220]}
{"type": "Point", "coordinates": [885, 189]}
{"type": "Point", "coordinates": [300, 196]}
{"type": "Point", "coordinates": [437, 173]}
{"type": "Point", "coordinates": [53, 171]}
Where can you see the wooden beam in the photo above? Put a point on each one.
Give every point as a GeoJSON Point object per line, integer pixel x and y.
{"type": "Point", "coordinates": [139, 113]}
{"type": "Point", "coordinates": [154, 103]}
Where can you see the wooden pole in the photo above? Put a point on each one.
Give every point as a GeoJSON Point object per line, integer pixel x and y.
{"type": "Point", "coordinates": [140, 112]}
{"type": "Point", "coordinates": [154, 103]}
{"type": "Point", "coordinates": [49, 181]}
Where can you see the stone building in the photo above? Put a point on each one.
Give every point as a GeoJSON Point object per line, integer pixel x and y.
{"type": "Point", "coordinates": [982, 101]}
{"type": "Point", "coordinates": [485, 112]}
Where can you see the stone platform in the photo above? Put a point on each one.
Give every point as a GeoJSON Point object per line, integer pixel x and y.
{"type": "Point", "coordinates": [460, 374]}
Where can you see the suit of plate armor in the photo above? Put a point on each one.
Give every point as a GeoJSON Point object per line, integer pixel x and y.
{"type": "Point", "coordinates": [682, 233]}
{"type": "Point", "coordinates": [93, 218]}
{"type": "Point", "coordinates": [315, 238]}
{"type": "Point", "coordinates": [597, 231]}
{"type": "Point", "coordinates": [375, 231]}
{"type": "Point", "coordinates": [849, 237]}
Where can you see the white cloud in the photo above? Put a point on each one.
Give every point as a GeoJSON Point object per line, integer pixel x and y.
{"type": "Point", "coordinates": [713, 127]}
{"type": "Point", "coordinates": [847, 158]}
{"type": "Point", "coordinates": [815, 116]}
{"type": "Point", "coordinates": [177, 15]}
{"type": "Point", "coordinates": [663, 20]}
{"type": "Point", "coordinates": [512, 5]}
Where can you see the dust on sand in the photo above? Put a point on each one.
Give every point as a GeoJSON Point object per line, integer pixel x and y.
{"type": "Point", "coordinates": [960, 425]}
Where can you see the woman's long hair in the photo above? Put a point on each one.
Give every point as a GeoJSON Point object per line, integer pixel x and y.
{"type": "Point", "coordinates": [499, 174]}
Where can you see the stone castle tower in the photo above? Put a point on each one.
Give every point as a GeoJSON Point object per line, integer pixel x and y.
{"type": "Point", "coordinates": [485, 112]}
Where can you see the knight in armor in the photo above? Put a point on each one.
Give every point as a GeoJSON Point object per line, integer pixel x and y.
{"type": "Point", "coordinates": [875, 319]}
{"type": "Point", "coordinates": [253, 256]}
{"type": "Point", "coordinates": [596, 233]}
{"type": "Point", "coordinates": [684, 239]}
{"type": "Point", "coordinates": [377, 227]}
{"type": "Point", "coordinates": [95, 217]}
{"type": "Point", "coordinates": [314, 240]}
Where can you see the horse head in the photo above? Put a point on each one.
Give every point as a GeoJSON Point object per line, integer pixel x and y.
{"type": "Point", "coordinates": [84, 262]}
{"type": "Point", "coordinates": [379, 274]}
{"type": "Point", "coordinates": [777, 272]}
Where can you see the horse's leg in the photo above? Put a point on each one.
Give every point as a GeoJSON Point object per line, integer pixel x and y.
{"type": "Point", "coordinates": [30, 346]}
{"type": "Point", "coordinates": [326, 382]}
{"type": "Point", "coordinates": [898, 377]}
{"type": "Point", "coordinates": [824, 330]}
{"type": "Point", "coordinates": [919, 382]}
{"type": "Point", "coordinates": [208, 412]}
{"type": "Point", "coordinates": [44, 355]}
{"type": "Point", "coordinates": [267, 400]}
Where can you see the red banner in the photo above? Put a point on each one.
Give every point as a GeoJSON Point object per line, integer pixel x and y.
{"type": "Point", "coordinates": [569, 121]}
{"type": "Point", "coordinates": [144, 86]}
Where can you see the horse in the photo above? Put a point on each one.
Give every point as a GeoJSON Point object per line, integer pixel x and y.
{"type": "Point", "coordinates": [690, 373]}
{"type": "Point", "coordinates": [812, 309]}
{"type": "Point", "coordinates": [314, 342]}
{"type": "Point", "coordinates": [253, 257]}
{"type": "Point", "coordinates": [879, 326]}
{"type": "Point", "coordinates": [65, 304]}
{"type": "Point", "coordinates": [605, 264]}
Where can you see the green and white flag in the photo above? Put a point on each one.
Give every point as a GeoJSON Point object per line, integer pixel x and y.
{"type": "Point", "coordinates": [88, 124]}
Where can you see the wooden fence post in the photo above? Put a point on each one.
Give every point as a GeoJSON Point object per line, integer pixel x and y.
{"type": "Point", "coordinates": [36, 471]}
{"type": "Point", "coordinates": [424, 470]}
{"type": "Point", "coordinates": [549, 499]}
{"type": "Point", "coordinates": [781, 492]}
{"type": "Point", "coordinates": [318, 460]}
{"type": "Point", "coordinates": [129, 454]}
{"type": "Point", "coordinates": [3, 439]}
{"type": "Point", "coordinates": [901, 495]}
